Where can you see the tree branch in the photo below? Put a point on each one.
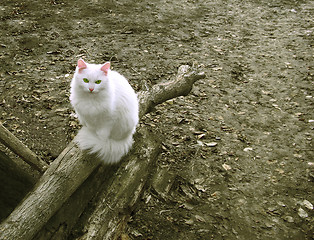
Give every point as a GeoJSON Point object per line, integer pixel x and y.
{"type": "Point", "coordinates": [9, 140]}
{"type": "Point", "coordinates": [180, 86]}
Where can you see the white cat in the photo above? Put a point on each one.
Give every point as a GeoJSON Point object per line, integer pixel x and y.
{"type": "Point", "coordinates": [107, 107]}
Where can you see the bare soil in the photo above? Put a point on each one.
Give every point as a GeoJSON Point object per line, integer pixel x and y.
{"type": "Point", "coordinates": [237, 159]}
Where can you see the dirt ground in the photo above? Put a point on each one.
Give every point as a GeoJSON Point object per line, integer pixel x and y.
{"type": "Point", "coordinates": [237, 153]}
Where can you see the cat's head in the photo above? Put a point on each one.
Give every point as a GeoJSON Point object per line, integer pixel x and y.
{"type": "Point", "coordinates": [91, 78]}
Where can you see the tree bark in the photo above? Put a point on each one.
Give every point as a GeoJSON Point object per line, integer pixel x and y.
{"type": "Point", "coordinates": [117, 201]}
{"type": "Point", "coordinates": [73, 166]}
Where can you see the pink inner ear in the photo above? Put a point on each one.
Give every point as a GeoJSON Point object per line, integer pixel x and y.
{"type": "Point", "coordinates": [105, 68]}
{"type": "Point", "coordinates": [81, 64]}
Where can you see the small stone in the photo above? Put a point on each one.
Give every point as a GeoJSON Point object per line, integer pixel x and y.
{"type": "Point", "coordinates": [311, 121]}
{"type": "Point", "coordinates": [201, 136]}
{"type": "Point", "coordinates": [189, 221]}
{"type": "Point", "coordinates": [307, 204]}
{"type": "Point", "coordinates": [226, 167]}
{"type": "Point", "coordinates": [310, 164]}
{"type": "Point", "coordinates": [289, 219]}
{"type": "Point", "coordinates": [281, 204]}
{"type": "Point", "coordinates": [248, 149]}
{"type": "Point", "coordinates": [302, 213]}
{"type": "Point", "coordinates": [211, 144]}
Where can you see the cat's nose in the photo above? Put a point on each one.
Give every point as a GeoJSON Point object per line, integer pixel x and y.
{"type": "Point", "coordinates": [91, 89]}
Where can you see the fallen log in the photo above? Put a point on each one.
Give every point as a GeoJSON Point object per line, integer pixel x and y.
{"type": "Point", "coordinates": [73, 166]}
{"type": "Point", "coordinates": [101, 181]}
{"type": "Point", "coordinates": [56, 185]}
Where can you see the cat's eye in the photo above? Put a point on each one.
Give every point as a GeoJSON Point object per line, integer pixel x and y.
{"type": "Point", "coordinates": [98, 81]}
{"type": "Point", "coordinates": [85, 80]}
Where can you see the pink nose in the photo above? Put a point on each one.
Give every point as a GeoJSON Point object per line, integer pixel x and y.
{"type": "Point", "coordinates": [91, 89]}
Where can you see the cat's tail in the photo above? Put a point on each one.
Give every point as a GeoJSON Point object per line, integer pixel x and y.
{"type": "Point", "coordinates": [110, 151]}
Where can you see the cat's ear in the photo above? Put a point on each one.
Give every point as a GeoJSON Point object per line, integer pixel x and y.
{"type": "Point", "coordinates": [105, 68]}
{"type": "Point", "coordinates": [81, 64]}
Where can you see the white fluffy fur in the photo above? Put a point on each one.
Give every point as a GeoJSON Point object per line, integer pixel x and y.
{"type": "Point", "coordinates": [109, 114]}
